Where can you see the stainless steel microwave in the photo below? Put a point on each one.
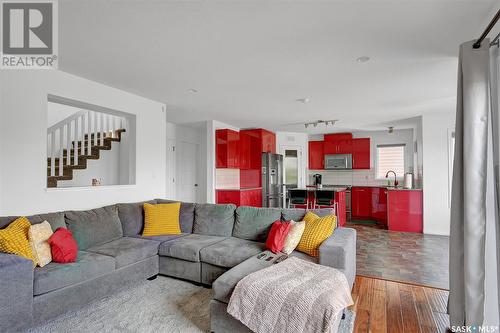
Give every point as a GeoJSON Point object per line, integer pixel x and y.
{"type": "Point", "coordinates": [338, 162]}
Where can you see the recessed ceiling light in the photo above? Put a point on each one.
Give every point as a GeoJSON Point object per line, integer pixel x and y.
{"type": "Point", "coordinates": [363, 59]}
{"type": "Point", "coordinates": [303, 100]}
{"type": "Point", "coordinates": [193, 90]}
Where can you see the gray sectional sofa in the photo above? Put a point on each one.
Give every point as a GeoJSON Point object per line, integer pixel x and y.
{"type": "Point", "coordinates": [217, 247]}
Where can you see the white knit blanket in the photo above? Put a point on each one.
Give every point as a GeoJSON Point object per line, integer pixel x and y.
{"type": "Point", "coordinates": [292, 296]}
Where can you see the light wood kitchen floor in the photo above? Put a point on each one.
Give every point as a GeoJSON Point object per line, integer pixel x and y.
{"type": "Point", "coordinates": [392, 307]}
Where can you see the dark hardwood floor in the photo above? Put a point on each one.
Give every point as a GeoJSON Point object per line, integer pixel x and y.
{"type": "Point", "coordinates": [393, 307]}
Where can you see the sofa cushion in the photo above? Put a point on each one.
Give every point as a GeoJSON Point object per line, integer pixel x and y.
{"type": "Point", "coordinates": [230, 252]}
{"type": "Point", "coordinates": [56, 276]}
{"type": "Point", "coordinates": [127, 250]}
{"type": "Point", "coordinates": [298, 214]}
{"type": "Point", "coordinates": [214, 220]}
{"type": "Point", "coordinates": [188, 247]}
{"type": "Point", "coordinates": [132, 217]}
{"type": "Point", "coordinates": [186, 215]}
{"type": "Point", "coordinates": [161, 239]}
{"type": "Point", "coordinates": [254, 223]}
{"type": "Point", "coordinates": [94, 227]}
{"type": "Point", "coordinates": [56, 220]}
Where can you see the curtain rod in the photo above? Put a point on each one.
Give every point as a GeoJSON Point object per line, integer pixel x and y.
{"type": "Point", "coordinates": [490, 26]}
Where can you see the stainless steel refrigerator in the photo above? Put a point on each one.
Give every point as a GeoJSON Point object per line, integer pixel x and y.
{"type": "Point", "coordinates": [272, 180]}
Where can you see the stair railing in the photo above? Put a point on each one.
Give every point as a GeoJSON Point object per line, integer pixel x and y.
{"type": "Point", "coordinates": [79, 132]}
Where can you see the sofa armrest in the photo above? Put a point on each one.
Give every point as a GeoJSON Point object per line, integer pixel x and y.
{"type": "Point", "coordinates": [16, 290]}
{"type": "Point", "coordinates": [339, 251]}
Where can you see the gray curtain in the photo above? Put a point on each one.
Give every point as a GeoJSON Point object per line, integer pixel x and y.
{"type": "Point", "coordinates": [474, 208]}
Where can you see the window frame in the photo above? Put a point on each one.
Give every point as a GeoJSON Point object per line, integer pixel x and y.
{"type": "Point", "coordinates": [398, 176]}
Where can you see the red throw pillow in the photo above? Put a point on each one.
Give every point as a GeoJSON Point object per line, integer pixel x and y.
{"type": "Point", "coordinates": [63, 246]}
{"type": "Point", "coordinates": [276, 238]}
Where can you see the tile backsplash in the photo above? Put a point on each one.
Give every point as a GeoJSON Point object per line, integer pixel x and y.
{"type": "Point", "coordinates": [227, 179]}
{"type": "Point", "coordinates": [347, 177]}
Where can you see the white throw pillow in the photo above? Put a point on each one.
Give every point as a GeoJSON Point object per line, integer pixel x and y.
{"type": "Point", "coordinates": [293, 237]}
{"type": "Point", "coordinates": [38, 235]}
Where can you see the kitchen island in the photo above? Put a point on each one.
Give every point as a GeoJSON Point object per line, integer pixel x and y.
{"type": "Point", "coordinates": [339, 201]}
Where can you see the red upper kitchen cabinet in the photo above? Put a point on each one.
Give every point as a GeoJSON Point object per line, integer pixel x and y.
{"type": "Point", "coordinates": [338, 136]}
{"type": "Point", "coordinates": [339, 143]}
{"type": "Point", "coordinates": [227, 148]}
{"type": "Point", "coordinates": [405, 210]}
{"type": "Point", "coordinates": [361, 153]}
{"type": "Point", "coordinates": [316, 155]}
{"type": "Point", "coordinates": [268, 142]}
{"type": "Point", "coordinates": [361, 202]}
{"type": "Point", "coordinates": [245, 151]}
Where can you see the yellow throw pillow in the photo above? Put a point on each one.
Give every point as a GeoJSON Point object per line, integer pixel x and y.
{"type": "Point", "coordinates": [38, 235]}
{"type": "Point", "coordinates": [317, 230]}
{"type": "Point", "coordinates": [294, 236]}
{"type": "Point", "coordinates": [14, 239]}
{"type": "Point", "coordinates": [161, 219]}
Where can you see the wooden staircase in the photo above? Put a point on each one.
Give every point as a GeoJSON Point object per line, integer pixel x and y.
{"type": "Point", "coordinates": [96, 145]}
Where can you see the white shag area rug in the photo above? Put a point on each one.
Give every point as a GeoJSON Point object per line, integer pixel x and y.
{"type": "Point", "coordinates": [162, 305]}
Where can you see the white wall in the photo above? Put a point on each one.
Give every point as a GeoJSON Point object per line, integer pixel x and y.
{"type": "Point", "coordinates": [57, 112]}
{"type": "Point", "coordinates": [297, 141]}
{"type": "Point", "coordinates": [435, 142]}
{"type": "Point", "coordinates": [23, 140]}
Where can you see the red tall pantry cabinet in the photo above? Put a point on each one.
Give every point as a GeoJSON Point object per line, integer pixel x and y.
{"type": "Point", "coordinates": [227, 149]}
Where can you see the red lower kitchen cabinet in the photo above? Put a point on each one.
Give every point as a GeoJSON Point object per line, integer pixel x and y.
{"type": "Point", "coordinates": [316, 155]}
{"type": "Point", "coordinates": [405, 210]}
{"type": "Point", "coordinates": [243, 197]}
{"type": "Point", "coordinates": [361, 153]}
{"type": "Point", "coordinates": [340, 201]}
{"type": "Point", "coordinates": [361, 202]}
{"type": "Point", "coordinates": [252, 198]}
{"type": "Point", "coordinates": [379, 204]}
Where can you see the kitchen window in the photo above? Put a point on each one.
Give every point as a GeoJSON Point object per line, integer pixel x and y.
{"type": "Point", "coordinates": [390, 157]}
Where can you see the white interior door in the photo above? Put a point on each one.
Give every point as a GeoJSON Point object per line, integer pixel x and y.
{"type": "Point", "coordinates": [187, 171]}
{"type": "Point", "coordinates": [171, 165]}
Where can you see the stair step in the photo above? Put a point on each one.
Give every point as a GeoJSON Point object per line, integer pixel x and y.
{"type": "Point", "coordinates": [118, 132]}
{"type": "Point", "coordinates": [87, 157]}
{"type": "Point", "coordinates": [86, 143]}
{"type": "Point", "coordinates": [93, 149]}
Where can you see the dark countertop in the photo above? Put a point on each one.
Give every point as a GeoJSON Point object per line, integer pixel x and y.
{"type": "Point", "coordinates": [392, 188]}
{"type": "Point", "coordinates": [238, 189]}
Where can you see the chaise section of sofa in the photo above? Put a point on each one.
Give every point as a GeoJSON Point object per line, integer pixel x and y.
{"type": "Point", "coordinates": [16, 290]}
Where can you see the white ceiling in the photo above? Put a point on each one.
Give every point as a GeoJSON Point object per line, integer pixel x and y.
{"type": "Point", "coordinates": [251, 60]}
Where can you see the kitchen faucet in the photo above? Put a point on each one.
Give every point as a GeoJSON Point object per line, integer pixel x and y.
{"type": "Point", "coordinates": [395, 177]}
